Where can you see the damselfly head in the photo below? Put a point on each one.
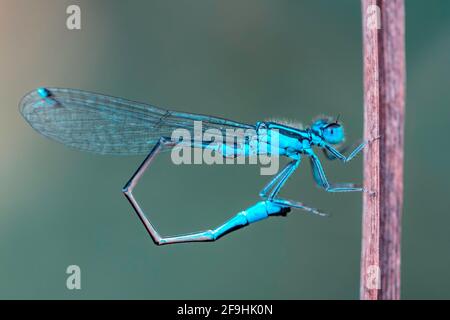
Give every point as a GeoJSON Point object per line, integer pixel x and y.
{"type": "Point", "coordinates": [329, 130]}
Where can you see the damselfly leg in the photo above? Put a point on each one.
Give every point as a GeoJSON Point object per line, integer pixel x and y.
{"type": "Point", "coordinates": [283, 179]}
{"type": "Point", "coordinates": [343, 150]}
{"type": "Point", "coordinates": [275, 182]}
{"type": "Point", "coordinates": [322, 181]}
{"type": "Point", "coordinates": [332, 153]}
{"type": "Point", "coordinates": [275, 185]}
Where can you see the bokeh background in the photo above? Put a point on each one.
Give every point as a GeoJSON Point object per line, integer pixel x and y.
{"type": "Point", "coordinates": [244, 60]}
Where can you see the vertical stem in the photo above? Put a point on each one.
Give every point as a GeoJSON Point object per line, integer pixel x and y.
{"type": "Point", "coordinates": [384, 101]}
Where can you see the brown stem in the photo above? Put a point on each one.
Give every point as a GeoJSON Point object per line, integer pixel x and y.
{"type": "Point", "coordinates": [384, 100]}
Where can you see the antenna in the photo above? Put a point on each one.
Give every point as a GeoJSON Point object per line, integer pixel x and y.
{"type": "Point", "coordinates": [337, 118]}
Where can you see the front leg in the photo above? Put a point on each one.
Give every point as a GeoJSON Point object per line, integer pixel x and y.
{"type": "Point", "coordinates": [332, 153]}
{"type": "Point", "coordinates": [341, 150]}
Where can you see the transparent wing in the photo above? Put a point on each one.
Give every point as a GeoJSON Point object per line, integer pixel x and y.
{"type": "Point", "coordinates": [108, 125]}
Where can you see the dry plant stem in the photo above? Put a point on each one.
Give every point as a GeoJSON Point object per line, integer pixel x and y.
{"type": "Point", "coordinates": [384, 96]}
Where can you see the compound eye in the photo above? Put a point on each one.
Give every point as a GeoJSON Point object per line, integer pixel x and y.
{"type": "Point", "coordinates": [333, 127]}
{"type": "Point", "coordinates": [333, 133]}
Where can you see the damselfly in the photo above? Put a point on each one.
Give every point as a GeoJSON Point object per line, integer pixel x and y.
{"type": "Point", "coordinates": [108, 125]}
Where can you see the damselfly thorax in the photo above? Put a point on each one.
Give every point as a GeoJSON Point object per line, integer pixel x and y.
{"type": "Point", "coordinates": [261, 141]}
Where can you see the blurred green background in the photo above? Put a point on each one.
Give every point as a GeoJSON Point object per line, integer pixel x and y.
{"type": "Point", "coordinates": [244, 60]}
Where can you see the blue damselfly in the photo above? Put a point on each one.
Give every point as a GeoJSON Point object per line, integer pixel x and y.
{"type": "Point", "coordinates": [108, 125]}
